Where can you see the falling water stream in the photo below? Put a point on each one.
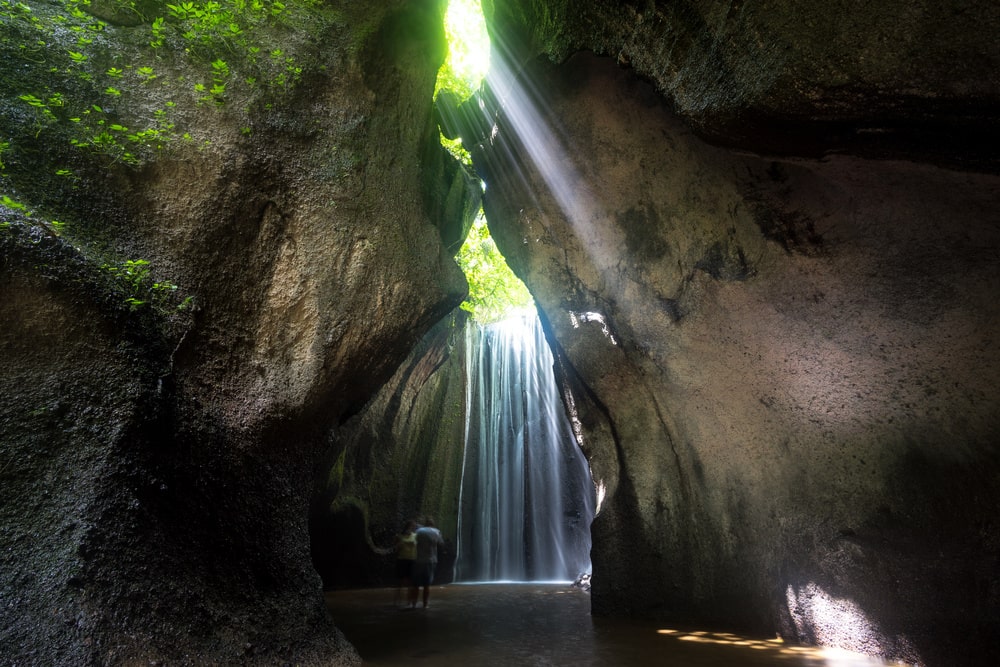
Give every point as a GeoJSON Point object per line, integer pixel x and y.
{"type": "Point", "coordinates": [527, 499]}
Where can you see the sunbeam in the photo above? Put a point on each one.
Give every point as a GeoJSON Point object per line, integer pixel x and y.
{"type": "Point", "coordinates": [540, 162]}
{"type": "Point", "coordinates": [535, 133]}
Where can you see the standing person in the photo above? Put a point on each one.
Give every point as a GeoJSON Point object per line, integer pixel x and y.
{"type": "Point", "coordinates": [428, 540]}
{"type": "Point", "coordinates": [406, 553]}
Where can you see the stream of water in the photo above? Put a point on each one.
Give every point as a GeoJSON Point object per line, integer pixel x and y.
{"type": "Point", "coordinates": [527, 499]}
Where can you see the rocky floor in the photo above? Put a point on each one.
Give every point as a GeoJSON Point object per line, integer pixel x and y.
{"type": "Point", "coordinates": [543, 625]}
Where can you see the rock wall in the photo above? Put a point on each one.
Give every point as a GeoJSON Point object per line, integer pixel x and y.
{"type": "Point", "coordinates": [159, 452]}
{"type": "Point", "coordinates": [398, 458]}
{"type": "Point", "coordinates": [888, 79]}
{"type": "Point", "coordinates": [782, 362]}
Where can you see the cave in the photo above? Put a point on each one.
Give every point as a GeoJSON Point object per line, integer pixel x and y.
{"type": "Point", "coordinates": [762, 238]}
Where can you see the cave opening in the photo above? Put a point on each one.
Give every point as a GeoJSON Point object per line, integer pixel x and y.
{"type": "Point", "coordinates": [467, 62]}
{"type": "Point", "coordinates": [523, 499]}
{"type": "Point", "coordinates": [526, 496]}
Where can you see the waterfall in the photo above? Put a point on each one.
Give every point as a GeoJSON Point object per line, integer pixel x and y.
{"type": "Point", "coordinates": [526, 498]}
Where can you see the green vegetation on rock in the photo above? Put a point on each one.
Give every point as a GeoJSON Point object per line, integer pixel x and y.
{"type": "Point", "coordinates": [94, 88]}
{"type": "Point", "coordinates": [495, 293]}
{"type": "Point", "coordinates": [468, 60]}
{"type": "Point", "coordinates": [124, 104]}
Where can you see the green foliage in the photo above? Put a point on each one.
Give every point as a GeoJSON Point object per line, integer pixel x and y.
{"type": "Point", "coordinates": [224, 38]}
{"type": "Point", "coordinates": [158, 32]}
{"type": "Point", "coordinates": [468, 60]}
{"type": "Point", "coordinates": [80, 96]}
{"type": "Point", "coordinates": [7, 202]}
{"type": "Point", "coordinates": [495, 293]}
{"type": "Point", "coordinates": [468, 49]}
{"type": "Point", "coordinates": [236, 27]}
{"type": "Point", "coordinates": [457, 150]}
{"type": "Point", "coordinates": [139, 287]}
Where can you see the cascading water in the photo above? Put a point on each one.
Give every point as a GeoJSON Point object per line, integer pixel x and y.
{"type": "Point", "coordinates": [527, 499]}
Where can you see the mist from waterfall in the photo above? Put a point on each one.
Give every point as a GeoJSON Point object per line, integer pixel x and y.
{"type": "Point", "coordinates": [527, 498]}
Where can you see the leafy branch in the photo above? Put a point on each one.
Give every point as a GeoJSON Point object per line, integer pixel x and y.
{"type": "Point", "coordinates": [495, 293]}
{"type": "Point", "coordinates": [140, 288]}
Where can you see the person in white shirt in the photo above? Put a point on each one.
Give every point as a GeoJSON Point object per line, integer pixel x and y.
{"type": "Point", "coordinates": [428, 540]}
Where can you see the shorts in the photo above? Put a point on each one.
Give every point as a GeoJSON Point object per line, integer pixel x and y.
{"type": "Point", "coordinates": [423, 574]}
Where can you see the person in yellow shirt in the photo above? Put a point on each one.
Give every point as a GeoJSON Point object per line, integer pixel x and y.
{"type": "Point", "coordinates": [406, 553]}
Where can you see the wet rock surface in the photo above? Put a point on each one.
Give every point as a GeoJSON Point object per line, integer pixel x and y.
{"type": "Point", "coordinates": [398, 458]}
{"type": "Point", "coordinates": [783, 365]}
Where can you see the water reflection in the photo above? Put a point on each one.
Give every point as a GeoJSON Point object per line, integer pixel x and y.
{"type": "Point", "coordinates": [551, 625]}
{"type": "Point", "coordinates": [830, 657]}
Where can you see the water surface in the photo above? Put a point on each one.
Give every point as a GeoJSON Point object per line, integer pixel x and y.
{"type": "Point", "coordinates": [544, 625]}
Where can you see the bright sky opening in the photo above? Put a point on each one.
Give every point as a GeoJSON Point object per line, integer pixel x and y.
{"type": "Point", "coordinates": [468, 48]}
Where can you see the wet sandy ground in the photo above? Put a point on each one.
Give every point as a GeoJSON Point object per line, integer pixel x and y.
{"type": "Point", "coordinates": [543, 625]}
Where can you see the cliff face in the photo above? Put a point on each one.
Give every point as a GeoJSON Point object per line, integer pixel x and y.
{"type": "Point", "coordinates": [782, 361]}
{"type": "Point", "coordinates": [158, 452]}
{"type": "Point", "coordinates": [399, 458]}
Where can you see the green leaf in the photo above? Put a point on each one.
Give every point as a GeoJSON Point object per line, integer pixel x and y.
{"type": "Point", "coordinates": [32, 100]}
{"type": "Point", "coordinates": [10, 203]}
{"type": "Point", "coordinates": [494, 291]}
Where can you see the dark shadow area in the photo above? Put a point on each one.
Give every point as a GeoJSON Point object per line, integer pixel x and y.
{"type": "Point", "coordinates": [340, 551]}
{"type": "Point", "coordinates": [345, 557]}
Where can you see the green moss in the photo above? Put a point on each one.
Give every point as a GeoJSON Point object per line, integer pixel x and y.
{"type": "Point", "coordinates": [335, 479]}
{"type": "Point", "coordinates": [93, 91]}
